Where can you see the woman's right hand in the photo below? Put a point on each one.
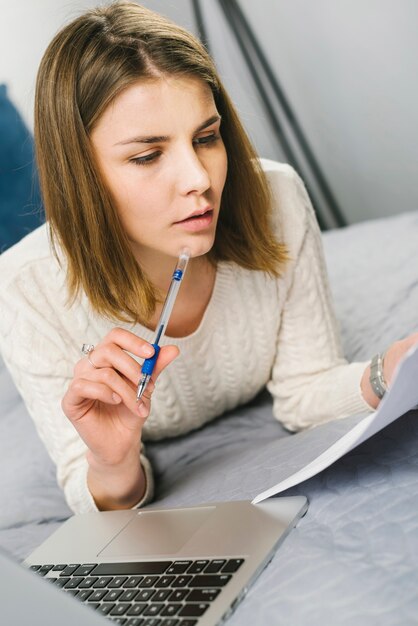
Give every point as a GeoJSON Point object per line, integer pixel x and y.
{"type": "Point", "coordinates": [101, 399]}
{"type": "Point", "coordinates": [393, 356]}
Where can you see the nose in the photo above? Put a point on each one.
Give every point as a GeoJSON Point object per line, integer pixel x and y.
{"type": "Point", "coordinates": [192, 175]}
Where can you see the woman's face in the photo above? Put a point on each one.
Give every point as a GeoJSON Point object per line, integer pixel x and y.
{"type": "Point", "coordinates": [159, 149]}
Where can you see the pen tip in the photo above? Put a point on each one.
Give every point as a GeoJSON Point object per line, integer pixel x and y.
{"type": "Point", "coordinates": [140, 391]}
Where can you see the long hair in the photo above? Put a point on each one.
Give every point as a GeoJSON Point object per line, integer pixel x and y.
{"type": "Point", "coordinates": [87, 64]}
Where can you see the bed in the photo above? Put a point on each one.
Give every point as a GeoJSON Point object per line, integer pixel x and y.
{"type": "Point", "coordinates": [352, 558]}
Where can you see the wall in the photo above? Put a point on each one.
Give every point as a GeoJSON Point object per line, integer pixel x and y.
{"type": "Point", "coordinates": [27, 26]}
{"type": "Point", "coordinates": [348, 69]}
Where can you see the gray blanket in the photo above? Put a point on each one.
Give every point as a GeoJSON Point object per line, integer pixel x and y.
{"type": "Point", "coordinates": [351, 559]}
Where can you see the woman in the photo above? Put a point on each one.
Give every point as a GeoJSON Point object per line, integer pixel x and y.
{"type": "Point", "coordinates": [141, 153]}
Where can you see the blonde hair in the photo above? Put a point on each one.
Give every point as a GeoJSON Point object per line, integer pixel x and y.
{"type": "Point", "coordinates": [88, 63]}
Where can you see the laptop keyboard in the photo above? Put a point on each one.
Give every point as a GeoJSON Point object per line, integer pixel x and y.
{"type": "Point", "coordinates": [147, 593]}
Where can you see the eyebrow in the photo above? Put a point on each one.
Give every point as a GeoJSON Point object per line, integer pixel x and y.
{"type": "Point", "coordinates": [162, 138]}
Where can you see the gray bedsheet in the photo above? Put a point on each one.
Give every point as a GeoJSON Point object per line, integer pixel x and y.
{"type": "Point", "coordinates": [352, 558]}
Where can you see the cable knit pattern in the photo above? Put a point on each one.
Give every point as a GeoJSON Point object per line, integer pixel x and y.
{"type": "Point", "coordinates": [256, 331]}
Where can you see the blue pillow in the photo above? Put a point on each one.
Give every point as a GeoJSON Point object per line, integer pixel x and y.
{"type": "Point", "coordinates": [20, 202]}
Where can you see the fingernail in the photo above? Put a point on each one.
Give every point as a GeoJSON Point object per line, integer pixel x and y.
{"type": "Point", "coordinates": [148, 350]}
{"type": "Point", "coordinates": [116, 398]}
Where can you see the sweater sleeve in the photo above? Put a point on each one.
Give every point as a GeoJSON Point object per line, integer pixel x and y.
{"type": "Point", "coordinates": [41, 359]}
{"type": "Point", "coordinates": [311, 382]}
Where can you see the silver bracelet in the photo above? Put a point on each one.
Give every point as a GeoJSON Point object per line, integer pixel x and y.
{"type": "Point", "coordinates": [377, 379]}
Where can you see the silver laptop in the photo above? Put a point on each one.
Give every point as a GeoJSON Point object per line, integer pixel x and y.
{"type": "Point", "coordinates": [166, 567]}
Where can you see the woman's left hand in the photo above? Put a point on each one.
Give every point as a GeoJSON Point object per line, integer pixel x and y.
{"type": "Point", "coordinates": [393, 355]}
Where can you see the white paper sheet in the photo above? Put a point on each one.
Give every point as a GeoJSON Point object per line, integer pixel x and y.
{"type": "Point", "coordinates": [401, 398]}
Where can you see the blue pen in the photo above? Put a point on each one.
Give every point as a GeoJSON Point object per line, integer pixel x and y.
{"type": "Point", "coordinates": [148, 364]}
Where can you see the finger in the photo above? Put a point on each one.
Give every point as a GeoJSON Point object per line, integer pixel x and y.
{"type": "Point", "coordinates": [114, 381]}
{"type": "Point", "coordinates": [127, 340]}
{"type": "Point", "coordinates": [166, 356]}
{"type": "Point", "coordinates": [80, 396]}
{"type": "Point", "coordinates": [110, 355]}
{"type": "Point", "coordinates": [143, 405]}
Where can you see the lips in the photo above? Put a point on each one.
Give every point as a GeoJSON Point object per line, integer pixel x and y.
{"type": "Point", "coordinates": [197, 222]}
{"type": "Point", "coordinates": [196, 215]}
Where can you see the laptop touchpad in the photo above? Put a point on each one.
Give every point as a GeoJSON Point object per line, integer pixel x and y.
{"type": "Point", "coordinates": [157, 532]}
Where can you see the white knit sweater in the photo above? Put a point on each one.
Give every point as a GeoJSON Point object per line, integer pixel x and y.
{"type": "Point", "coordinates": [256, 331]}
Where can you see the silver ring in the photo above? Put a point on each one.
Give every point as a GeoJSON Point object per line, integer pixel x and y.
{"type": "Point", "coordinates": [87, 349]}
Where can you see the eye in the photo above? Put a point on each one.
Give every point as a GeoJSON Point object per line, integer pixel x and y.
{"type": "Point", "coordinates": [145, 160]}
{"type": "Point", "coordinates": [207, 139]}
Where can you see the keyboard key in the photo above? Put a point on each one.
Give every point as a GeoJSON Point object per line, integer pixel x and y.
{"type": "Point", "coordinates": [137, 609]}
{"type": "Point", "coordinates": [119, 620]}
{"type": "Point", "coordinates": [144, 595]}
{"type": "Point", "coordinates": [88, 582]}
{"type": "Point", "coordinates": [61, 582]}
{"type": "Point", "coordinates": [203, 595]}
{"type": "Point", "coordinates": [181, 581]}
{"type": "Point", "coordinates": [153, 609]}
{"type": "Point", "coordinates": [210, 580]}
{"type": "Point", "coordinates": [148, 581]}
{"type": "Point", "coordinates": [97, 595]}
{"type": "Point", "coordinates": [214, 566]}
{"type": "Point", "coordinates": [232, 566]}
{"type": "Point", "coordinates": [171, 621]}
{"type": "Point", "coordinates": [171, 609]}
{"type": "Point", "coordinates": [133, 582]}
{"type": "Point", "coordinates": [105, 608]}
{"type": "Point", "coordinates": [117, 581]}
{"type": "Point", "coordinates": [128, 595]}
{"type": "Point", "coordinates": [45, 568]}
{"type": "Point", "coordinates": [70, 569]}
{"type": "Point", "coordinates": [179, 595]}
{"type": "Point", "coordinates": [193, 610]}
{"type": "Point", "coordinates": [112, 595]}
{"type": "Point", "coordinates": [197, 566]}
{"type": "Point", "coordinates": [84, 594]}
{"type": "Point", "coordinates": [164, 581]}
{"type": "Point", "coordinates": [161, 595]}
{"type": "Point", "coordinates": [188, 622]}
{"type": "Point", "coordinates": [152, 621]}
{"type": "Point", "coordinates": [102, 582]}
{"type": "Point", "coordinates": [134, 621]}
{"type": "Point", "coordinates": [130, 569]}
{"type": "Point", "coordinates": [73, 583]}
{"type": "Point", "coordinates": [84, 570]}
{"type": "Point", "coordinates": [120, 609]}
{"type": "Point", "coordinates": [178, 567]}
{"type": "Point", "coordinates": [35, 567]}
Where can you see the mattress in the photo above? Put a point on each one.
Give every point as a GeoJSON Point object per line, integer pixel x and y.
{"type": "Point", "coordinates": [352, 558]}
